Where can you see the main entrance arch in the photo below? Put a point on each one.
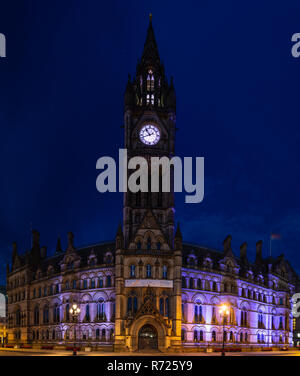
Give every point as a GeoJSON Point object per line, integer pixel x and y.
{"type": "Point", "coordinates": [148, 339]}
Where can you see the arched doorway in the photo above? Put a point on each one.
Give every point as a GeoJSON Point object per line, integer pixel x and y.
{"type": "Point", "coordinates": [148, 338]}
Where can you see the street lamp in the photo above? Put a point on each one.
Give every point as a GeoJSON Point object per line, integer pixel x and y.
{"type": "Point", "coordinates": [224, 312]}
{"type": "Point", "coordinates": [74, 310]}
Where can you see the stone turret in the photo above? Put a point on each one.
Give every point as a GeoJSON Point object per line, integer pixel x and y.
{"type": "Point", "coordinates": [227, 246]}
{"type": "Point", "coordinates": [243, 251]}
{"type": "Point", "coordinates": [178, 238]}
{"type": "Point", "coordinates": [258, 258]}
{"type": "Point", "coordinates": [119, 238]}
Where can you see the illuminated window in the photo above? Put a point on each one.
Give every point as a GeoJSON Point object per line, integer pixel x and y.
{"type": "Point", "coordinates": [165, 272]}
{"type": "Point", "coordinates": [150, 81]}
{"type": "Point", "coordinates": [132, 271]}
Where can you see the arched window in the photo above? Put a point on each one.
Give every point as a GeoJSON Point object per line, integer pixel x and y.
{"type": "Point", "coordinates": [46, 315]}
{"type": "Point", "coordinates": [158, 245]}
{"type": "Point", "coordinates": [85, 284]}
{"type": "Point", "coordinates": [18, 317]}
{"type": "Point", "coordinates": [198, 313]}
{"type": "Point", "coordinates": [36, 316]}
{"type": "Point", "coordinates": [148, 270]}
{"type": "Point", "coordinates": [167, 307]}
{"type": "Point", "coordinates": [100, 283]}
{"type": "Point", "coordinates": [213, 336]}
{"type": "Point", "coordinates": [199, 284]}
{"type": "Point", "coordinates": [183, 282]}
{"type": "Point", "coordinates": [165, 272]}
{"type": "Point", "coordinates": [108, 281]}
{"type": "Point", "coordinates": [101, 310]}
{"type": "Point", "coordinates": [148, 244]}
{"type": "Point", "coordinates": [195, 335]}
{"type": "Point", "coordinates": [132, 271]}
{"type": "Point", "coordinates": [74, 283]}
{"type": "Point", "coordinates": [97, 333]}
{"type": "Point", "coordinates": [132, 304]}
{"type": "Point", "coordinates": [258, 337]}
{"type": "Point", "coordinates": [201, 337]}
{"type": "Point", "coordinates": [56, 315]}
{"type": "Point", "coordinates": [244, 318]}
{"type": "Point", "coordinates": [87, 313]}
{"type": "Point", "coordinates": [150, 81]}
{"type": "Point", "coordinates": [183, 335]}
{"type": "Point", "coordinates": [246, 337]}
{"type": "Point", "coordinates": [103, 335]}
{"type": "Point", "coordinates": [231, 336]}
{"type": "Point", "coordinates": [138, 245]}
{"type": "Point", "coordinates": [214, 286]}
{"type": "Point", "coordinates": [191, 283]}
{"type": "Point", "coordinates": [241, 337]}
{"type": "Point", "coordinates": [161, 306]}
{"type": "Point", "coordinates": [92, 283]}
{"type": "Point", "coordinates": [260, 320]}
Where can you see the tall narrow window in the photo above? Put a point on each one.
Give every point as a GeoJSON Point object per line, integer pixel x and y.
{"type": "Point", "coordinates": [213, 336]}
{"type": "Point", "coordinates": [87, 312]}
{"type": "Point", "coordinates": [161, 306]}
{"type": "Point", "coordinates": [108, 281]}
{"type": "Point", "coordinates": [165, 272]}
{"type": "Point", "coordinates": [132, 271]}
{"type": "Point", "coordinates": [148, 244]}
{"type": "Point", "coordinates": [148, 269]}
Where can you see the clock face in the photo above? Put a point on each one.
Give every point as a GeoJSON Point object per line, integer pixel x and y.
{"type": "Point", "coordinates": [149, 134]}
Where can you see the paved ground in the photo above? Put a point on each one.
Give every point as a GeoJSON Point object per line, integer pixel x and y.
{"type": "Point", "coordinates": [24, 352]}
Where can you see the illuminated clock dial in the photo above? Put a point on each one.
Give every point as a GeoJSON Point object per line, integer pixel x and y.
{"type": "Point", "coordinates": [149, 134]}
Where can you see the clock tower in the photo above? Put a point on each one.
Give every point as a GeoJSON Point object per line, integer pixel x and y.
{"type": "Point", "coordinates": [148, 253]}
{"type": "Point", "coordinates": [150, 123]}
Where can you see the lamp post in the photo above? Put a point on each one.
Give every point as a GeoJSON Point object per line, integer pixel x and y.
{"type": "Point", "coordinates": [74, 310]}
{"type": "Point", "coordinates": [224, 311]}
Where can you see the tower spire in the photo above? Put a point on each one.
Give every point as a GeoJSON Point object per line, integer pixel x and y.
{"type": "Point", "coordinates": [150, 56]}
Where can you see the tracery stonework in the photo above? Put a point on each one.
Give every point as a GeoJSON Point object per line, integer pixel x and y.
{"type": "Point", "coordinates": [148, 290]}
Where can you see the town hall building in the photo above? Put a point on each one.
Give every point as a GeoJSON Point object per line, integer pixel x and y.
{"type": "Point", "coordinates": [148, 289]}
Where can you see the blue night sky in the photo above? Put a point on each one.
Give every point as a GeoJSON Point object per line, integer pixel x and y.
{"type": "Point", "coordinates": [61, 108]}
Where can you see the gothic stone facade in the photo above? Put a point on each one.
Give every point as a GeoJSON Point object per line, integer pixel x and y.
{"type": "Point", "coordinates": [148, 289]}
